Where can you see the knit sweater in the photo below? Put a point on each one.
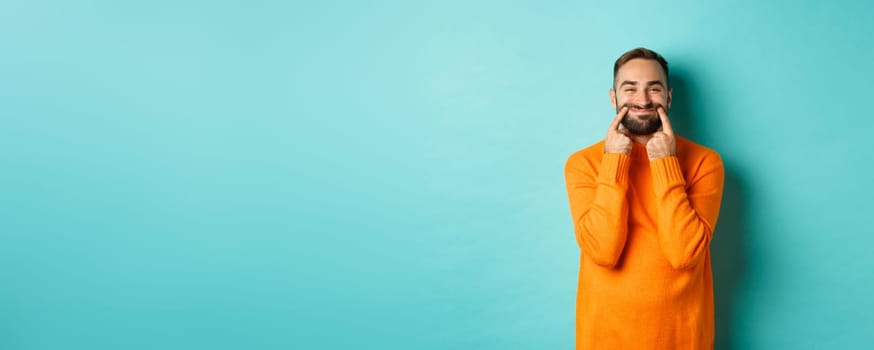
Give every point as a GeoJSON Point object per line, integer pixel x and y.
{"type": "Point", "coordinates": [644, 229]}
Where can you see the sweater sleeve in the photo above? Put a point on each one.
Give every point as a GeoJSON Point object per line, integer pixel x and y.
{"type": "Point", "coordinates": [687, 214]}
{"type": "Point", "coordinates": [598, 204]}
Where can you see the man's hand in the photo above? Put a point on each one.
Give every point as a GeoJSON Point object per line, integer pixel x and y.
{"type": "Point", "coordinates": [617, 140]}
{"type": "Point", "coordinates": [662, 143]}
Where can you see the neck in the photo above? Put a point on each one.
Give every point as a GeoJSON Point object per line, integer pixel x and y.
{"type": "Point", "coordinates": [641, 139]}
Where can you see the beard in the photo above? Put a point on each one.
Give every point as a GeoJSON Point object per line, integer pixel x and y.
{"type": "Point", "coordinates": [643, 124]}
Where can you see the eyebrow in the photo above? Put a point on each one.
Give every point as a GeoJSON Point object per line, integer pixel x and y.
{"type": "Point", "coordinates": [649, 83]}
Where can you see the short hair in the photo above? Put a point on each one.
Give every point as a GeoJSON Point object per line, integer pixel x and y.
{"type": "Point", "coordinates": [644, 53]}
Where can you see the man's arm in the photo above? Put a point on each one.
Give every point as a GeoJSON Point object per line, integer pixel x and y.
{"type": "Point", "coordinates": [687, 217]}
{"type": "Point", "coordinates": [598, 206]}
{"type": "Point", "coordinates": [597, 196]}
{"type": "Point", "coordinates": [686, 214]}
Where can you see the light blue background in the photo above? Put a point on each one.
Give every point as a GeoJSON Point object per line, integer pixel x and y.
{"type": "Point", "coordinates": [389, 175]}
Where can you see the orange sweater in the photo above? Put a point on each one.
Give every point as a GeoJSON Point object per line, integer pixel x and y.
{"type": "Point", "coordinates": [644, 230]}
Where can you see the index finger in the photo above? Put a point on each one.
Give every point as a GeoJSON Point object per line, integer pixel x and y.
{"type": "Point", "coordinates": [618, 119]}
{"type": "Point", "coordinates": [666, 123]}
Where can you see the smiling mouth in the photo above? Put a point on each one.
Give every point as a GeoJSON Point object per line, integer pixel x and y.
{"type": "Point", "coordinates": [642, 110]}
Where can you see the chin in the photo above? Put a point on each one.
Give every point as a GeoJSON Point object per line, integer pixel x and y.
{"type": "Point", "coordinates": [645, 116]}
{"type": "Point", "coordinates": [642, 127]}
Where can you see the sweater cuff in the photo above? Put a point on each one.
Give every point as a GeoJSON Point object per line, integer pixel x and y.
{"type": "Point", "coordinates": [666, 172]}
{"type": "Point", "coordinates": [614, 168]}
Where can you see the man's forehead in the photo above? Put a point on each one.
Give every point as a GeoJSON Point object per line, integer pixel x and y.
{"type": "Point", "coordinates": [640, 69]}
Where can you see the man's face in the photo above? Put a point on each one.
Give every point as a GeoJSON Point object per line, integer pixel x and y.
{"type": "Point", "coordinates": [641, 85]}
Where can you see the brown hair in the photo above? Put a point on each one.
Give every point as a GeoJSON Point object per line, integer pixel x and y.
{"type": "Point", "coordinates": [644, 53]}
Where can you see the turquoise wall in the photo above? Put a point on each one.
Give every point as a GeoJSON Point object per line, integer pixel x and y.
{"type": "Point", "coordinates": [389, 175]}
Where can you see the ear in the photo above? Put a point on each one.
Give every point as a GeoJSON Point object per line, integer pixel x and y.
{"type": "Point", "coordinates": [670, 96]}
{"type": "Point", "coordinates": [613, 98]}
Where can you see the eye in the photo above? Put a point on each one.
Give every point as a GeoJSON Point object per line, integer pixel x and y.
{"type": "Point", "coordinates": [655, 90]}
{"type": "Point", "coordinates": [629, 90]}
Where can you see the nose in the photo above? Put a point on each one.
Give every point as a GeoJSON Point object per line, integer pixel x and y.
{"type": "Point", "coordinates": [644, 97]}
{"type": "Point", "coordinates": [641, 98]}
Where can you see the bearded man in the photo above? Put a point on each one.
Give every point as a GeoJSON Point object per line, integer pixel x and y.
{"type": "Point", "coordinates": [644, 204]}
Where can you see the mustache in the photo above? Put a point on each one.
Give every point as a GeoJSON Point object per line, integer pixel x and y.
{"type": "Point", "coordinates": [646, 106]}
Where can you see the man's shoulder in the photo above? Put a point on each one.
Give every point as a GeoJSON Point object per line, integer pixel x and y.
{"type": "Point", "coordinates": [585, 160]}
{"type": "Point", "coordinates": [592, 152]}
{"type": "Point", "coordinates": [691, 149]}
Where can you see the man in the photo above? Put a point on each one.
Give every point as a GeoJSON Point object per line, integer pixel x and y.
{"type": "Point", "coordinates": [644, 203]}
